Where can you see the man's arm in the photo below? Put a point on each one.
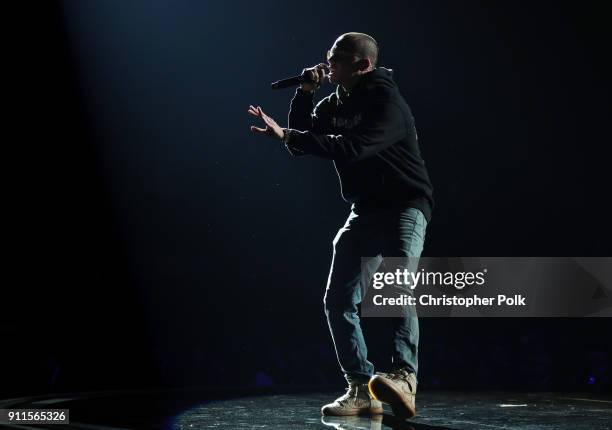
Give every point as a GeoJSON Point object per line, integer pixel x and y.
{"type": "Point", "coordinates": [300, 110]}
{"type": "Point", "coordinates": [382, 125]}
{"type": "Point", "coordinates": [302, 117]}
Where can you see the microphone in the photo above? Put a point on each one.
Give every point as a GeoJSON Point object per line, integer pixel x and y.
{"type": "Point", "coordinates": [294, 80]}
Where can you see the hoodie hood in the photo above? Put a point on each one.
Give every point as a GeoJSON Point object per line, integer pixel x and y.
{"type": "Point", "coordinates": [380, 76]}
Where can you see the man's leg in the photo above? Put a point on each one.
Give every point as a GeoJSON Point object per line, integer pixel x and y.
{"type": "Point", "coordinates": [344, 292]}
{"type": "Point", "coordinates": [403, 239]}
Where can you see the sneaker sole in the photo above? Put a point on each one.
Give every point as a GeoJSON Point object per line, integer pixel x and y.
{"type": "Point", "coordinates": [383, 390]}
{"type": "Point", "coordinates": [371, 411]}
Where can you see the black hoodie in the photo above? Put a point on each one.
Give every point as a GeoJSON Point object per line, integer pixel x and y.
{"type": "Point", "coordinates": [370, 135]}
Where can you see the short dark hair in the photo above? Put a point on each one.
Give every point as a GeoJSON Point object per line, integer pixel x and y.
{"type": "Point", "coordinates": [361, 44]}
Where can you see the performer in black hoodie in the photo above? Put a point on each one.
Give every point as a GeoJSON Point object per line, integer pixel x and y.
{"type": "Point", "coordinates": [366, 127]}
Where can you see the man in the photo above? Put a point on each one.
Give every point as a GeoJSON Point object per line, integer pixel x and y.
{"type": "Point", "coordinates": [366, 127]}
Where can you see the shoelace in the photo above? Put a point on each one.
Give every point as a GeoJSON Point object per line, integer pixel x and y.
{"type": "Point", "coordinates": [351, 392]}
{"type": "Point", "coordinates": [395, 374]}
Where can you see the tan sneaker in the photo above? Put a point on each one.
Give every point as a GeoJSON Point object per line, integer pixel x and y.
{"type": "Point", "coordinates": [396, 388]}
{"type": "Point", "coordinates": [356, 401]}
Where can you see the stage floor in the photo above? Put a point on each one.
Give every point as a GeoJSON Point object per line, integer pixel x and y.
{"type": "Point", "coordinates": [203, 409]}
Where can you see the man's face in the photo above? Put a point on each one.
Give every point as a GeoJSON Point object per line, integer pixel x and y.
{"type": "Point", "coordinates": [343, 65]}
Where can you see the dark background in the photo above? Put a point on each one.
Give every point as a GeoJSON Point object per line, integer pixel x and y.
{"type": "Point", "coordinates": [156, 242]}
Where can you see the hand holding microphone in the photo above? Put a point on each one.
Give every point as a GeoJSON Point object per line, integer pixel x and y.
{"type": "Point", "coordinates": [310, 79]}
{"type": "Point", "coordinates": [317, 75]}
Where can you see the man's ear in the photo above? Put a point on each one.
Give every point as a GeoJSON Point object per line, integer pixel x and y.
{"type": "Point", "coordinates": [364, 64]}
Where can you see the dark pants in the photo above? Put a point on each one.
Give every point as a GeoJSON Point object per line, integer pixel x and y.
{"type": "Point", "coordinates": [372, 235]}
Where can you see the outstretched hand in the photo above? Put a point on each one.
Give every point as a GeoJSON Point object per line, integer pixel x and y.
{"type": "Point", "coordinates": [272, 128]}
